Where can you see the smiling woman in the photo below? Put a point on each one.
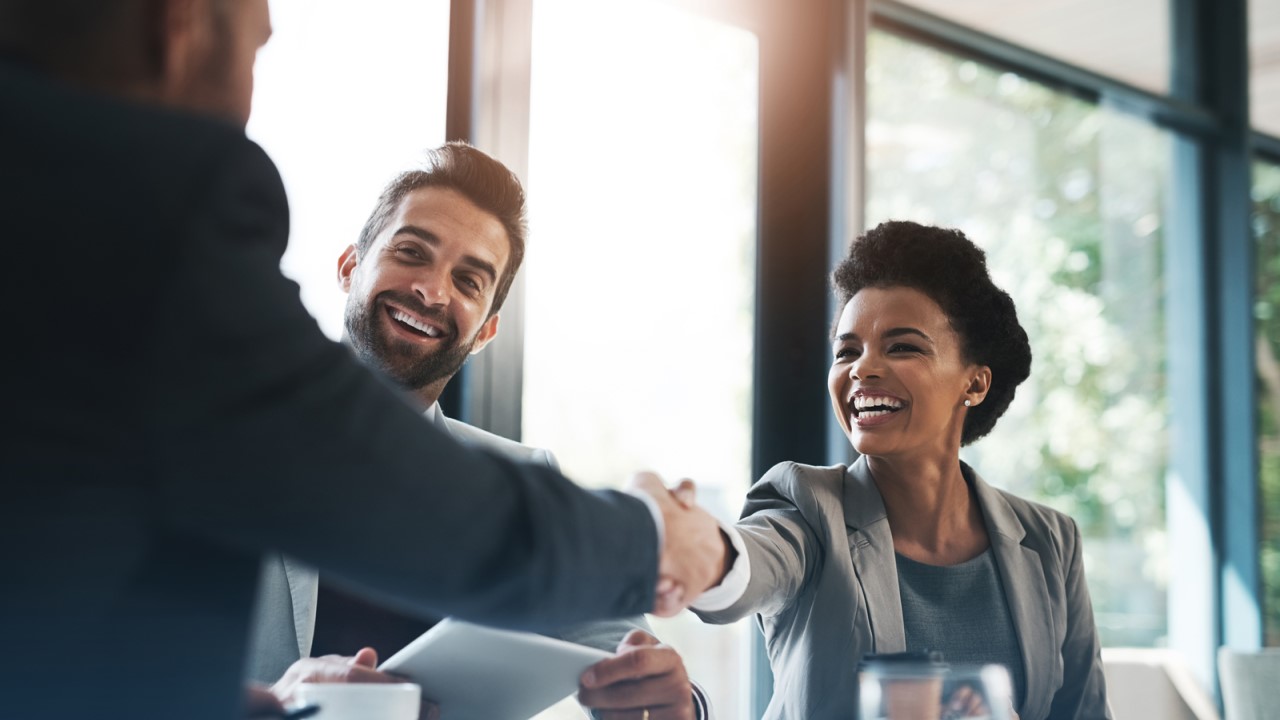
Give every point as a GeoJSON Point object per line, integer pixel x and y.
{"type": "Point", "coordinates": [928, 353]}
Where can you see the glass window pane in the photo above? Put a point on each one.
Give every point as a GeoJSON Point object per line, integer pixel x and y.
{"type": "Point", "coordinates": [1126, 40]}
{"type": "Point", "coordinates": [347, 95]}
{"type": "Point", "coordinates": [1266, 231]}
{"type": "Point", "coordinates": [642, 197]}
{"type": "Point", "coordinates": [1067, 200]}
{"type": "Point", "coordinates": [1264, 65]}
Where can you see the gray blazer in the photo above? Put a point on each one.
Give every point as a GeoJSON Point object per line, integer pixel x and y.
{"type": "Point", "coordinates": [824, 587]}
{"type": "Point", "coordinates": [284, 617]}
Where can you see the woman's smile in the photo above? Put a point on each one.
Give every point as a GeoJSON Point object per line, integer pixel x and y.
{"type": "Point", "coordinates": [870, 408]}
{"type": "Point", "coordinates": [898, 380]}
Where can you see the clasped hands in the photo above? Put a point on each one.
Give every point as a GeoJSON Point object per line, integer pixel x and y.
{"type": "Point", "coordinates": [696, 553]}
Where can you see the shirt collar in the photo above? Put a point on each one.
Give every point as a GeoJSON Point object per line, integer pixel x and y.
{"type": "Point", "coordinates": [434, 415]}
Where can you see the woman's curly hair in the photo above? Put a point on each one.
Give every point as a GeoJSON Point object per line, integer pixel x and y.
{"type": "Point", "coordinates": [945, 265]}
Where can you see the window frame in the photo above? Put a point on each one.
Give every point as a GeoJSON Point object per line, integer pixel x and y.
{"type": "Point", "coordinates": [812, 95]}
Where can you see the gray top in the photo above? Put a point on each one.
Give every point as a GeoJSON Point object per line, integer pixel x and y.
{"type": "Point", "coordinates": [961, 611]}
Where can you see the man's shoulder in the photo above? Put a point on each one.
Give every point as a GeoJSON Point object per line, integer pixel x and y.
{"type": "Point", "coordinates": [122, 143]}
{"type": "Point", "coordinates": [472, 435]}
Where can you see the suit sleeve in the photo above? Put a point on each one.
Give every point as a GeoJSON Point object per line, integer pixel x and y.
{"type": "Point", "coordinates": [781, 547]}
{"type": "Point", "coordinates": [270, 436]}
{"type": "Point", "coordinates": [1083, 695]}
{"type": "Point", "coordinates": [607, 634]}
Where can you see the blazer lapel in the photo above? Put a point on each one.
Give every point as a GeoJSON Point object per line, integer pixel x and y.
{"type": "Point", "coordinates": [304, 589]}
{"type": "Point", "coordinates": [874, 564]}
{"type": "Point", "coordinates": [1025, 592]}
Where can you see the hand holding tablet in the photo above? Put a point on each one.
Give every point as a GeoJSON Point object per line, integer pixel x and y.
{"type": "Point", "coordinates": [480, 673]}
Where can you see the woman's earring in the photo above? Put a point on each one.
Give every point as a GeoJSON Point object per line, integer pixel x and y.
{"type": "Point", "coordinates": [967, 403]}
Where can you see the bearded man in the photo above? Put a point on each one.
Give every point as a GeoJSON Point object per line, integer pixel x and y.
{"type": "Point", "coordinates": [425, 283]}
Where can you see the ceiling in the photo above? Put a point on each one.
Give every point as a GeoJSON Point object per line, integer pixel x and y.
{"type": "Point", "coordinates": [1124, 39]}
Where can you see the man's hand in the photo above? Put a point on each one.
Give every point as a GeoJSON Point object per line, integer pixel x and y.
{"type": "Point", "coordinates": [694, 550]}
{"type": "Point", "coordinates": [644, 675]}
{"type": "Point", "coordinates": [260, 703]}
{"type": "Point", "coordinates": [362, 668]}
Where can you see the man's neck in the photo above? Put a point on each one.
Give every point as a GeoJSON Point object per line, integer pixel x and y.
{"type": "Point", "coordinates": [427, 397]}
{"type": "Point", "coordinates": [429, 394]}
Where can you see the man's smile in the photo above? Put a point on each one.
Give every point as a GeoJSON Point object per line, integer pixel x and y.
{"type": "Point", "coordinates": [415, 326]}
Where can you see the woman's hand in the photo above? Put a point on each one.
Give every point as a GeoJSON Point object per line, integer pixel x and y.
{"type": "Point", "coordinates": [966, 702]}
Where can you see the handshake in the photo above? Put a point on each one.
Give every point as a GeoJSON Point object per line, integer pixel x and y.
{"type": "Point", "coordinates": [696, 553]}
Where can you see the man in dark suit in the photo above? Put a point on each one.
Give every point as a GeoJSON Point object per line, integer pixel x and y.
{"type": "Point", "coordinates": [174, 411]}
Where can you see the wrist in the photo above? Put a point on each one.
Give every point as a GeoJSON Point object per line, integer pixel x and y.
{"type": "Point", "coordinates": [730, 557]}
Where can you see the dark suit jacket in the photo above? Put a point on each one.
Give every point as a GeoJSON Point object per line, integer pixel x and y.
{"type": "Point", "coordinates": [824, 587]}
{"type": "Point", "coordinates": [172, 411]}
{"type": "Point", "coordinates": [297, 615]}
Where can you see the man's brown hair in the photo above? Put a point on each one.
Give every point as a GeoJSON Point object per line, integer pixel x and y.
{"type": "Point", "coordinates": [476, 176]}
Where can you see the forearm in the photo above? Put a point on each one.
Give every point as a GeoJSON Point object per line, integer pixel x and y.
{"type": "Point", "coordinates": [289, 444]}
{"type": "Point", "coordinates": [723, 603]}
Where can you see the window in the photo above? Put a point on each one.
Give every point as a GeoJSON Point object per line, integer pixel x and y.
{"type": "Point", "coordinates": [1126, 40]}
{"type": "Point", "coordinates": [1266, 231]}
{"type": "Point", "coordinates": [1067, 199]}
{"type": "Point", "coordinates": [347, 95]}
{"type": "Point", "coordinates": [1264, 66]}
{"type": "Point", "coordinates": [640, 270]}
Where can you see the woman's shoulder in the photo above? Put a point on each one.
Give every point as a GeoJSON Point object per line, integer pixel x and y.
{"type": "Point", "coordinates": [799, 478]}
{"type": "Point", "coordinates": [1036, 513]}
{"type": "Point", "coordinates": [1041, 525]}
{"type": "Point", "coordinates": [812, 489]}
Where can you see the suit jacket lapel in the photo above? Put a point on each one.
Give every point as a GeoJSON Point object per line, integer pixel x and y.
{"type": "Point", "coordinates": [1025, 592]}
{"type": "Point", "coordinates": [874, 564]}
{"type": "Point", "coordinates": [304, 589]}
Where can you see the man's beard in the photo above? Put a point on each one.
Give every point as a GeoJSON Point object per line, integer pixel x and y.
{"type": "Point", "coordinates": [407, 363]}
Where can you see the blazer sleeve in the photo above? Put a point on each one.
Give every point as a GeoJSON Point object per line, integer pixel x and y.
{"type": "Point", "coordinates": [1083, 695]}
{"type": "Point", "coordinates": [607, 634]}
{"type": "Point", "coordinates": [267, 435]}
{"type": "Point", "coordinates": [781, 546]}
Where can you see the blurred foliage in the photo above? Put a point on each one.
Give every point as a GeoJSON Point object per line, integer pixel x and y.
{"type": "Point", "coordinates": [1067, 198]}
{"type": "Point", "coordinates": [1266, 232]}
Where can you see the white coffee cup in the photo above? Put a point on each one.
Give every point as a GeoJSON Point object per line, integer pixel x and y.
{"type": "Point", "coordinates": [361, 701]}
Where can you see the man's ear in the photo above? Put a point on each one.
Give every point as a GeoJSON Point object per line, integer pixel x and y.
{"type": "Point", "coordinates": [184, 39]}
{"type": "Point", "coordinates": [979, 386]}
{"type": "Point", "coordinates": [488, 331]}
{"type": "Point", "coordinates": [347, 262]}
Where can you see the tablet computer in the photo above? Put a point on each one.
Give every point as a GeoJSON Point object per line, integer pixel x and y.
{"type": "Point", "coordinates": [480, 673]}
